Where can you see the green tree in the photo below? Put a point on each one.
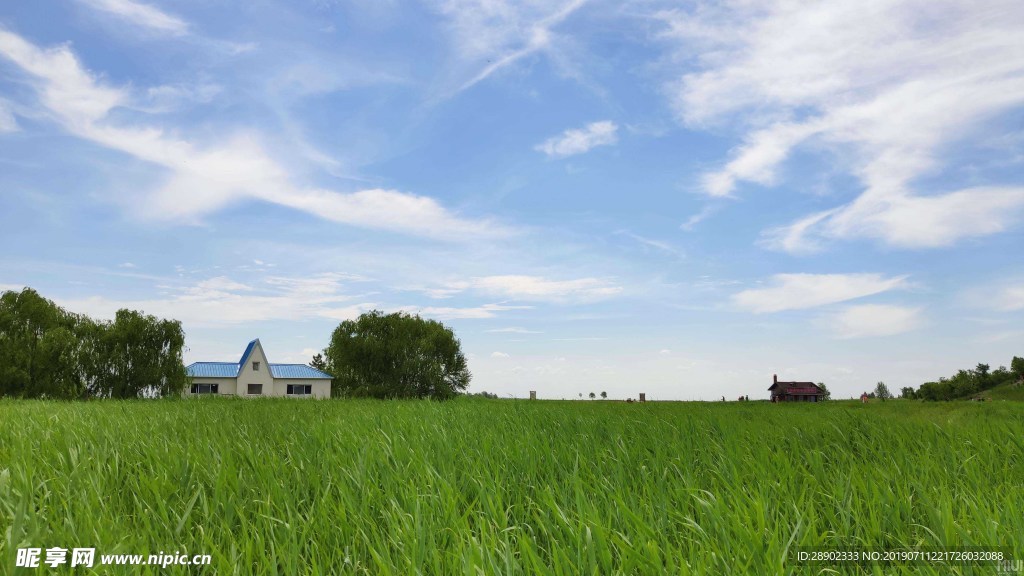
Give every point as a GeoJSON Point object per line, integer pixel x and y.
{"type": "Point", "coordinates": [319, 363]}
{"type": "Point", "coordinates": [604, 395]}
{"type": "Point", "coordinates": [982, 377]}
{"type": "Point", "coordinates": [48, 351]}
{"type": "Point", "coordinates": [592, 395]}
{"type": "Point", "coordinates": [139, 356]}
{"type": "Point", "coordinates": [908, 393]}
{"type": "Point", "coordinates": [963, 383]}
{"type": "Point", "coordinates": [827, 395]}
{"type": "Point", "coordinates": [1017, 367]}
{"type": "Point", "coordinates": [39, 347]}
{"type": "Point", "coordinates": [882, 391]}
{"type": "Point", "coordinates": [396, 356]}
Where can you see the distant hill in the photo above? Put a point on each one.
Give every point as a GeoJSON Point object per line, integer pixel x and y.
{"type": "Point", "coordinates": [1008, 391]}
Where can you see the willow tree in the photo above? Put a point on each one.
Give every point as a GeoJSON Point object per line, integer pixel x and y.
{"type": "Point", "coordinates": [48, 351]}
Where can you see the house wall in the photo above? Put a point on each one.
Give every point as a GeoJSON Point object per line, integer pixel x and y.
{"type": "Point", "coordinates": [321, 386]}
{"type": "Point", "coordinates": [225, 385]}
{"type": "Point", "coordinates": [249, 376]}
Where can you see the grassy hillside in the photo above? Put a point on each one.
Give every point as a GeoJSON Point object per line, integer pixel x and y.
{"type": "Point", "coordinates": [1010, 391]}
{"type": "Point", "coordinates": [507, 487]}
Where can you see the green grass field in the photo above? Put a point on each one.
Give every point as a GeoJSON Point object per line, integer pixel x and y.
{"type": "Point", "coordinates": [508, 487]}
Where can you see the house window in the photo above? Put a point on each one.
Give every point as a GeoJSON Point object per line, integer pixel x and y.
{"type": "Point", "coordinates": [300, 389]}
{"type": "Point", "coordinates": [255, 389]}
{"type": "Point", "coordinates": [204, 388]}
{"type": "Point", "coordinates": [255, 366]}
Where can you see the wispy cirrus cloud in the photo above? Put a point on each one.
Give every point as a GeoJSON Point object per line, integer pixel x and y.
{"type": "Point", "coordinates": [869, 320]}
{"type": "Point", "coordinates": [1005, 295]}
{"type": "Point", "coordinates": [222, 301]}
{"type": "Point", "coordinates": [463, 313]}
{"type": "Point", "coordinates": [539, 288]}
{"type": "Point", "coordinates": [207, 177]}
{"type": "Point", "coordinates": [513, 330]}
{"type": "Point", "coordinates": [878, 82]}
{"type": "Point", "coordinates": [580, 140]}
{"type": "Point", "coordinates": [651, 243]}
{"type": "Point", "coordinates": [801, 291]}
{"type": "Point", "coordinates": [7, 121]}
{"type": "Point", "coordinates": [1011, 298]}
{"type": "Point", "coordinates": [489, 35]}
{"type": "Point", "coordinates": [697, 218]}
{"type": "Point", "coordinates": [140, 14]}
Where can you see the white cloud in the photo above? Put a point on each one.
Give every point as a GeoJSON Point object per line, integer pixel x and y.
{"type": "Point", "coordinates": [204, 179]}
{"type": "Point", "coordinates": [466, 313]}
{"type": "Point", "coordinates": [580, 140]}
{"type": "Point", "coordinates": [7, 121]}
{"type": "Point", "coordinates": [799, 291]}
{"type": "Point", "coordinates": [499, 355]}
{"type": "Point", "coordinates": [488, 35]}
{"type": "Point", "coordinates": [872, 320]}
{"type": "Point", "coordinates": [907, 221]}
{"type": "Point", "coordinates": [531, 288]}
{"type": "Point", "coordinates": [222, 301]}
{"type": "Point", "coordinates": [222, 284]}
{"type": "Point", "coordinates": [757, 159]}
{"type": "Point", "coordinates": [126, 265]}
{"type": "Point", "coordinates": [876, 81]}
{"type": "Point", "coordinates": [169, 98]}
{"type": "Point", "coordinates": [1001, 336]}
{"type": "Point", "coordinates": [1011, 298]}
{"type": "Point", "coordinates": [794, 237]}
{"type": "Point", "coordinates": [697, 218]}
{"type": "Point", "coordinates": [513, 330]}
{"type": "Point", "coordinates": [1000, 296]}
{"type": "Point", "coordinates": [652, 243]}
{"type": "Point", "coordinates": [540, 288]}
{"type": "Point", "coordinates": [305, 356]}
{"type": "Point", "coordinates": [142, 15]}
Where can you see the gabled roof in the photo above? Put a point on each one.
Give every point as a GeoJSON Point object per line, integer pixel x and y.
{"type": "Point", "coordinates": [213, 370]}
{"type": "Point", "coordinates": [296, 371]}
{"type": "Point", "coordinates": [248, 350]}
{"type": "Point", "coordinates": [230, 370]}
{"type": "Point", "coordinates": [804, 387]}
{"type": "Point", "coordinates": [233, 369]}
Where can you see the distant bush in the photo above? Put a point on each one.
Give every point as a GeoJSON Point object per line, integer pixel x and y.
{"type": "Point", "coordinates": [966, 383]}
{"type": "Point", "coordinates": [490, 395]}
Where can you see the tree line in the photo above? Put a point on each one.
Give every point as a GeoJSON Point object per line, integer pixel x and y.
{"type": "Point", "coordinates": [967, 382]}
{"type": "Point", "coordinates": [49, 352]}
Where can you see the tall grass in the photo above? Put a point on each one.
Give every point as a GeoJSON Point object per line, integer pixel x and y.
{"type": "Point", "coordinates": [507, 487]}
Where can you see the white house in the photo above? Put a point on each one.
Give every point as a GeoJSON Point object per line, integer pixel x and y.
{"type": "Point", "coordinates": [253, 376]}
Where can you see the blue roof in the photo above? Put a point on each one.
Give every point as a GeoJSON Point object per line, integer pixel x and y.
{"type": "Point", "coordinates": [248, 349]}
{"type": "Point", "coordinates": [296, 371]}
{"type": "Point", "coordinates": [213, 370]}
{"type": "Point", "coordinates": [232, 369]}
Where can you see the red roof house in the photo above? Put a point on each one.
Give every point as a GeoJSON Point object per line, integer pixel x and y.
{"type": "Point", "coordinates": [795, 391]}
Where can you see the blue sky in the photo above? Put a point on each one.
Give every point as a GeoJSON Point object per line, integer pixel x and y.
{"type": "Point", "coordinates": [674, 198]}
